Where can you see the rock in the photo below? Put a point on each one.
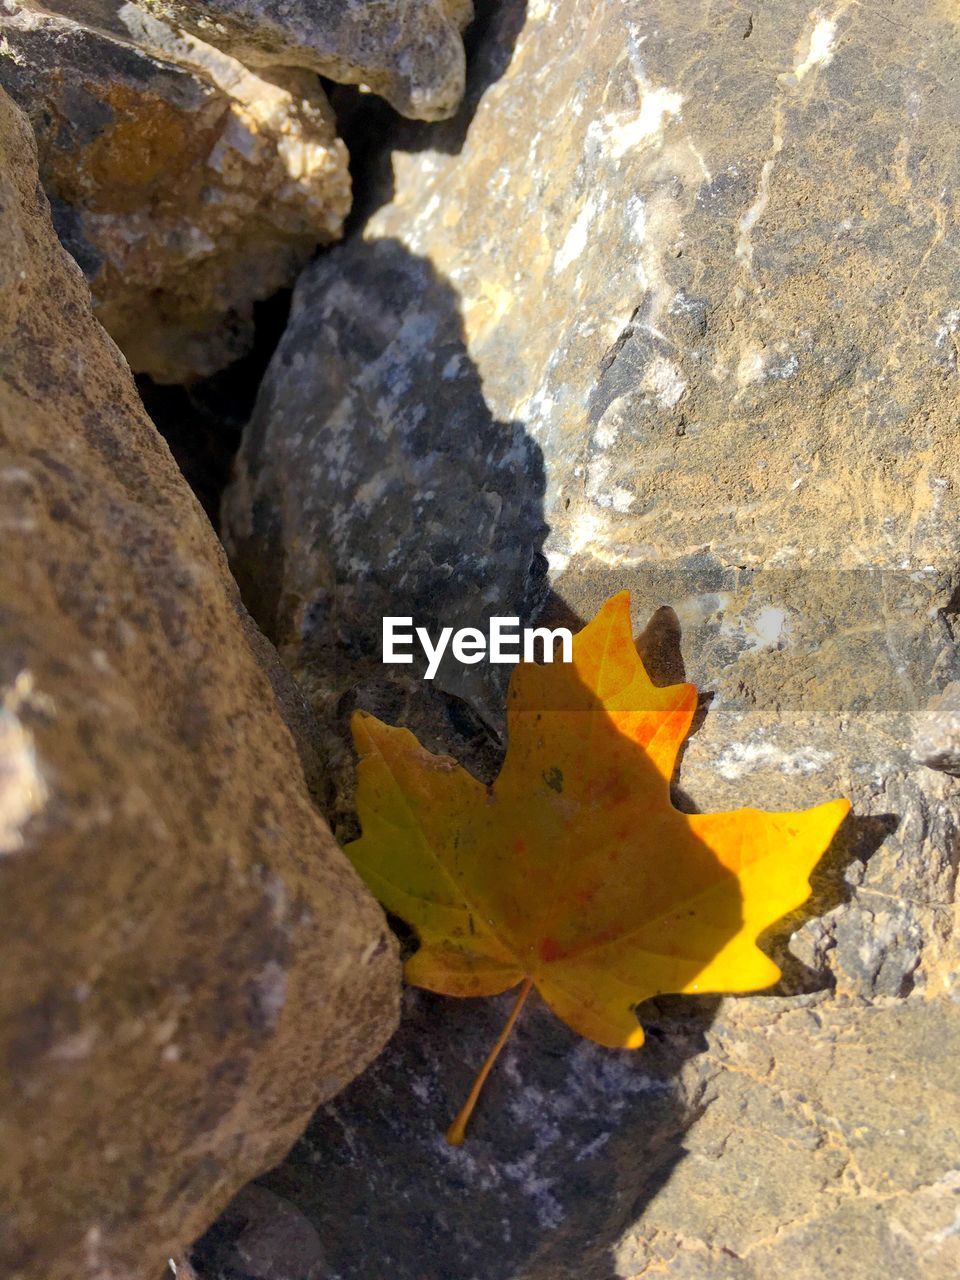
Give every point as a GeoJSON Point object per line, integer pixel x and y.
{"type": "Point", "coordinates": [262, 1235]}
{"type": "Point", "coordinates": [189, 963]}
{"type": "Point", "coordinates": [682, 291]}
{"type": "Point", "coordinates": [755, 1147]}
{"type": "Point", "coordinates": [411, 54]}
{"type": "Point", "coordinates": [186, 186]}
{"type": "Point", "coordinates": [810, 1142]}
{"type": "Point", "coordinates": [936, 740]}
{"type": "Point", "coordinates": [399, 496]}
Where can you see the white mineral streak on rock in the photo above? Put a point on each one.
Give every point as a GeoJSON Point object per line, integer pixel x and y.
{"type": "Point", "coordinates": [751, 365]}
{"type": "Point", "coordinates": [819, 52]}
{"type": "Point", "coordinates": [588, 528]}
{"type": "Point", "coordinates": [752, 215]}
{"type": "Point", "coordinates": [662, 378]}
{"type": "Point", "coordinates": [599, 490]}
{"type": "Point", "coordinates": [951, 321]}
{"type": "Point", "coordinates": [739, 758]}
{"type": "Point", "coordinates": [23, 790]}
{"type": "Point", "coordinates": [819, 47]}
{"type": "Point", "coordinates": [608, 428]}
{"type": "Point", "coordinates": [576, 238]}
{"type": "Point", "coordinates": [768, 629]}
{"type": "Point", "coordinates": [637, 218]}
{"type": "Point", "coordinates": [594, 1079]}
{"type": "Point", "coordinates": [698, 157]}
{"type": "Point", "coordinates": [786, 369]}
{"type": "Point", "coordinates": [663, 218]}
{"type": "Point", "coordinates": [619, 132]}
{"type": "Point", "coordinates": [693, 611]}
{"type": "Point", "coordinates": [8, 51]}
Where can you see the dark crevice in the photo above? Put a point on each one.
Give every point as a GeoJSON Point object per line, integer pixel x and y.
{"type": "Point", "coordinates": [203, 422]}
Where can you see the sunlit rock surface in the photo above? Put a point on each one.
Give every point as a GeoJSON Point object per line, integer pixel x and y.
{"type": "Point", "coordinates": [185, 185]}
{"type": "Point", "coordinates": [409, 51]}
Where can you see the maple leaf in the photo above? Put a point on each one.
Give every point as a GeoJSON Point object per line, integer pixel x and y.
{"type": "Point", "coordinates": [573, 872]}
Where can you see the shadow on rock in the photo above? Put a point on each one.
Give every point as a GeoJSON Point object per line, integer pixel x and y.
{"type": "Point", "coordinates": [374, 480]}
{"type": "Point", "coordinates": [570, 1142]}
{"type": "Point", "coordinates": [364, 120]}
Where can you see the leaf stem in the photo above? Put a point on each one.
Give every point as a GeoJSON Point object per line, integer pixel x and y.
{"type": "Point", "coordinates": [458, 1130]}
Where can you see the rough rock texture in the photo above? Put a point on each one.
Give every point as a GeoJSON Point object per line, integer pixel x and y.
{"type": "Point", "coordinates": [411, 53]}
{"type": "Point", "coordinates": [936, 740]}
{"type": "Point", "coordinates": [186, 186]}
{"type": "Point", "coordinates": [436, 507]}
{"type": "Point", "coordinates": [821, 1147]}
{"type": "Point", "coordinates": [692, 275]}
{"type": "Point", "coordinates": [189, 963]}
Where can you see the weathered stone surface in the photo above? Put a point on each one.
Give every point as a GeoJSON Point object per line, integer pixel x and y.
{"type": "Point", "coordinates": [809, 1158]}
{"type": "Point", "coordinates": [936, 740]}
{"type": "Point", "coordinates": [189, 964]}
{"type": "Point", "coordinates": [186, 186]}
{"type": "Point", "coordinates": [693, 280]}
{"type": "Point", "coordinates": [755, 1147]}
{"type": "Point", "coordinates": [438, 509]}
{"type": "Point", "coordinates": [411, 53]}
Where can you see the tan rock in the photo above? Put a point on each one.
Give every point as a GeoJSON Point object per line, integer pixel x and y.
{"type": "Point", "coordinates": [185, 185]}
{"type": "Point", "coordinates": [189, 965]}
{"type": "Point", "coordinates": [820, 1150]}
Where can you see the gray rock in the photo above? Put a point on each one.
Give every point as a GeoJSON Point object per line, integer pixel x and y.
{"type": "Point", "coordinates": [186, 186]}
{"type": "Point", "coordinates": [558, 1117]}
{"type": "Point", "coordinates": [263, 1236]}
{"type": "Point", "coordinates": [410, 53]}
{"type": "Point", "coordinates": [189, 964]}
{"type": "Point", "coordinates": [703, 275]}
{"type": "Point", "coordinates": [385, 503]}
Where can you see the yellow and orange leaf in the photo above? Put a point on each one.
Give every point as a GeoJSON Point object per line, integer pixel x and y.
{"type": "Point", "coordinates": [574, 873]}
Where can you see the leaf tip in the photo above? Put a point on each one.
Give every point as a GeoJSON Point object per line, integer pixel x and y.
{"type": "Point", "coordinates": [635, 1039]}
{"type": "Point", "coordinates": [833, 812]}
{"type": "Point", "coordinates": [619, 607]}
{"type": "Point", "coordinates": [366, 731]}
{"type": "Point", "coordinates": [357, 720]}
